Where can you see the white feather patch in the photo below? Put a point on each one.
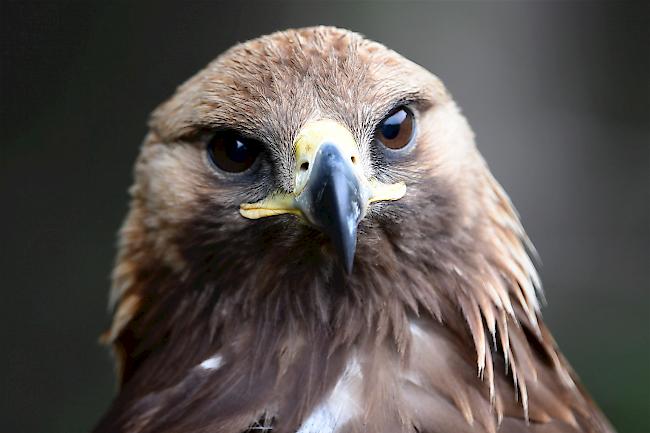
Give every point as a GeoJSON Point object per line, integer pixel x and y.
{"type": "Point", "coordinates": [341, 405]}
{"type": "Point", "coordinates": [416, 330]}
{"type": "Point", "coordinates": [212, 363]}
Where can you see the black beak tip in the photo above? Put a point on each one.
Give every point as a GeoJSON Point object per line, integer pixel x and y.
{"type": "Point", "coordinates": [348, 267]}
{"type": "Point", "coordinates": [347, 260]}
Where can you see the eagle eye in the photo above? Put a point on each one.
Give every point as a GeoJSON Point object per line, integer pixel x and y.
{"type": "Point", "coordinates": [231, 152]}
{"type": "Point", "coordinates": [395, 131]}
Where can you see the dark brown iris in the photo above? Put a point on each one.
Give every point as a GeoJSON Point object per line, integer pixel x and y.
{"type": "Point", "coordinates": [396, 130]}
{"type": "Point", "coordinates": [233, 153]}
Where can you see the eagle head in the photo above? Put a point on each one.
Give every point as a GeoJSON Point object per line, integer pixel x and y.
{"type": "Point", "coordinates": [313, 203]}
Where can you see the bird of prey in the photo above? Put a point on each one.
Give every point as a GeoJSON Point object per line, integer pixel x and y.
{"type": "Point", "coordinates": [315, 245]}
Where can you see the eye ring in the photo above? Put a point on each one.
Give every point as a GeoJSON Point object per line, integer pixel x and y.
{"type": "Point", "coordinates": [397, 129]}
{"type": "Point", "coordinates": [231, 152]}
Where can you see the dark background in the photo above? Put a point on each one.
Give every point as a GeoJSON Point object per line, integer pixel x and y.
{"type": "Point", "coordinates": [558, 94]}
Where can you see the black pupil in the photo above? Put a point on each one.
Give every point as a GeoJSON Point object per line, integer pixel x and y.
{"type": "Point", "coordinates": [391, 126]}
{"type": "Point", "coordinates": [231, 152]}
{"type": "Point", "coordinates": [237, 151]}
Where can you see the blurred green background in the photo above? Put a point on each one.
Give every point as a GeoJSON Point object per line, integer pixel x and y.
{"type": "Point", "coordinates": [558, 94]}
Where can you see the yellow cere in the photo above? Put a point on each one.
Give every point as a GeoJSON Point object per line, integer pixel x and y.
{"type": "Point", "coordinates": [312, 136]}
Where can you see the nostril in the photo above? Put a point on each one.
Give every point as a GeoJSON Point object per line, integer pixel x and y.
{"type": "Point", "coordinates": [304, 166]}
{"type": "Point", "coordinates": [353, 159]}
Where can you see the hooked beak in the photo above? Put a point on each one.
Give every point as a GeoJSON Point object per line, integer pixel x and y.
{"type": "Point", "coordinates": [330, 191]}
{"type": "Point", "coordinates": [334, 201]}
